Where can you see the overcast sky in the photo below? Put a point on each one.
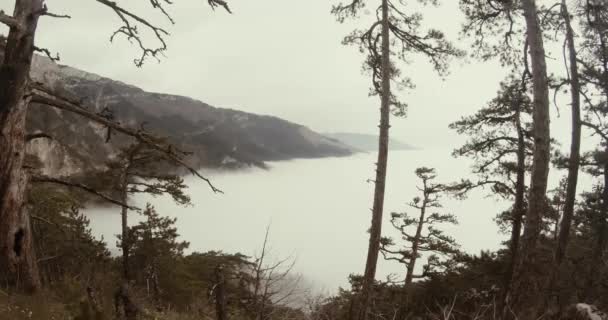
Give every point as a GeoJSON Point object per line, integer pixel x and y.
{"type": "Point", "coordinates": [277, 57]}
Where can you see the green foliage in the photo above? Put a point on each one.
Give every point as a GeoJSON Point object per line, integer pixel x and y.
{"type": "Point", "coordinates": [494, 17]}
{"type": "Point", "coordinates": [420, 234]}
{"type": "Point", "coordinates": [493, 140]}
{"type": "Point", "coordinates": [140, 164]}
{"type": "Point", "coordinates": [65, 244]}
{"type": "Point", "coordinates": [407, 38]}
{"type": "Point", "coordinates": [156, 253]}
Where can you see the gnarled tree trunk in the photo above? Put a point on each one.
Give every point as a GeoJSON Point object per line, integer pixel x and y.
{"type": "Point", "coordinates": [17, 257]}
{"type": "Point", "coordinates": [527, 285]}
{"type": "Point", "coordinates": [381, 167]}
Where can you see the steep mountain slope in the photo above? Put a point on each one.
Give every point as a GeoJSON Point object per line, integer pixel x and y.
{"type": "Point", "coordinates": [217, 137]}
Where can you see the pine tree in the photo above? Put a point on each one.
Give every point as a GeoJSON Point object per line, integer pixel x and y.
{"type": "Point", "coordinates": [427, 237]}
{"type": "Point", "coordinates": [136, 170]}
{"type": "Point", "coordinates": [155, 251]}
{"type": "Point", "coordinates": [393, 36]}
{"type": "Point", "coordinates": [501, 146]}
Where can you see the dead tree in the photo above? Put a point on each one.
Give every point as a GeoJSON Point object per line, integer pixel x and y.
{"type": "Point", "coordinates": [17, 256]}
{"type": "Point", "coordinates": [272, 283]}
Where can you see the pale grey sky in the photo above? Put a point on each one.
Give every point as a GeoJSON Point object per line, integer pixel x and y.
{"type": "Point", "coordinates": [278, 57]}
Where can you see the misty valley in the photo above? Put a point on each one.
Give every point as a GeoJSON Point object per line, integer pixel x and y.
{"type": "Point", "coordinates": [304, 160]}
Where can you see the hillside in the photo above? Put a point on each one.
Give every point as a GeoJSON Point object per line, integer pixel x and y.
{"type": "Point", "coordinates": [366, 142]}
{"type": "Point", "coordinates": [218, 137]}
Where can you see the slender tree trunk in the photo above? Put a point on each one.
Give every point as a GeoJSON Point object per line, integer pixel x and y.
{"type": "Point", "coordinates": [124, 302]}
{"type": "Point", "coordinates": [415, 244]}
{"type": "Point", "coordinates": [519, 206]}
{"type": "Point", "coordinates": [17, 256]}
{"type": "Point", "coordinates": [124, 184]}
{"type": "Point", "coordinates": [527, 286]}
{"type": "Point", "coordinates": [574, 161]}
{"type": "Point", "coordinates": [381, 167]}
{"type": "Point", "coordinates": [220, 294]}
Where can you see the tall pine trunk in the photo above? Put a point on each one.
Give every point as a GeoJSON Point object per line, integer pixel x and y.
{"type": "Point", "coordinates": [124, 184]}
{"type": "Point", "coordinates": [381, 167]}
{"type": "Point", "coordinates": [220, 294]}
{"type": "Point", "coordinates": [527, 286]}
{"type": "Point", "coordinates": [520, 190]}
{"type": "Point", "coordinates": [17, 257]}
{"type": "Point", "coordinates": [574, 160]}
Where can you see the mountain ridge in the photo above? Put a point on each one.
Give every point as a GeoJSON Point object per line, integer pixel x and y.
{"type": "Point", "coordinates": [218, 137]}
{"type": "Point", "coordinates": [366, 142]}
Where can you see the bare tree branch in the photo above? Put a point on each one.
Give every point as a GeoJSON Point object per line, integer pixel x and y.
{"type": "Point", "coordinates": [10, 21]}
{"type": "Point", "coordinates": [44, 96]}
{"type": "Point", "coordinates": [595, 128]}
{"type": "Point", "coordinates": [47, 53]}
{"type": "Point", "coordinates": [131, 20]}
{"type": "Point", "coordinates": [45, 12]}
{"type": "Point", "coordinates": [45, 179]}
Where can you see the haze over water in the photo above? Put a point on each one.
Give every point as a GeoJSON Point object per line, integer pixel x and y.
{"type": "Point", "coordinates": [319, 211]}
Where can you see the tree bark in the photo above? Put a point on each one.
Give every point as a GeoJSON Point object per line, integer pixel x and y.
{"type": "Point", "coordinates": [124, 184]}
{"type": "Point", "coordinates": [574, 161]}
{"type": "Point", "coordinates": [220, 294]}
{"type": "Point", "coordinates": [415, 244]}
{"type": "Point", "coordinates": [527, 286]}
{"type": "Point", "coordinates": [520, 189]}
{"type": "Point", "coordinates": [381, 167]}
{"type": "Point", "coordinates": [17, 256]}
